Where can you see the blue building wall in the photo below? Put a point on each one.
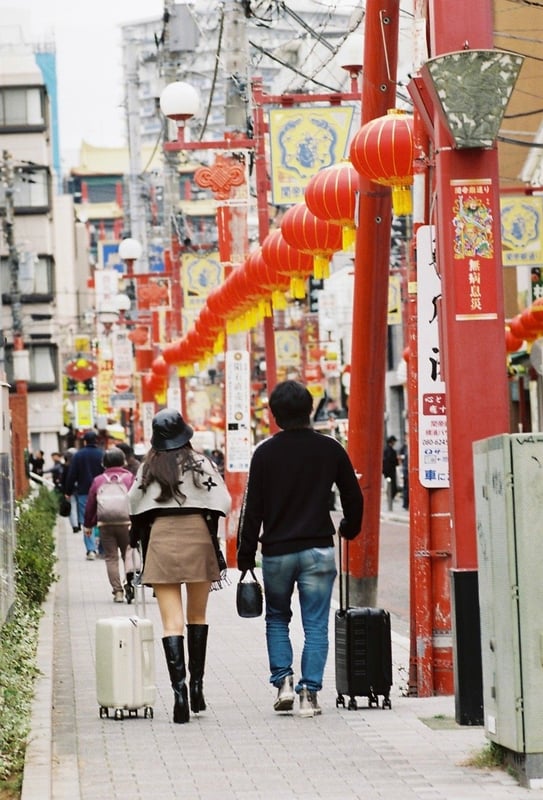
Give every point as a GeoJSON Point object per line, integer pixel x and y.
{"type": "Point", "coordinates": [47, 62]}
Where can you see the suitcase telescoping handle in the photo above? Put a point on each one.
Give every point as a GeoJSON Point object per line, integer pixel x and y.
{"type": "Point", "coordinates": [139, 589]}
{"type": "Point", "coordinates": [343, 576]}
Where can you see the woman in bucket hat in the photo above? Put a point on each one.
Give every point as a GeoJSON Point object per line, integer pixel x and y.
{"type": "Point", "coordinates": [175, 503]}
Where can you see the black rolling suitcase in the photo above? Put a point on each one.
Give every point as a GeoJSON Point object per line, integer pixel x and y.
{"type": "Point", "coordinates": [363, 651]}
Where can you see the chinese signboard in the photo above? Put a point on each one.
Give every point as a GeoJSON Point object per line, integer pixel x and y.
{"type": "Point", "coordinates": [473, 250]}
{"type": "Point", "coordinates": [238, 410]}
{"type": "Point", "coordinates": [200, 273]}
{"type": "Point", "coordinates": [433, 450]}
{"type": "Point", "coordinates": [522, 241]}
{"type": "Point", "coordinates": [304, 141]}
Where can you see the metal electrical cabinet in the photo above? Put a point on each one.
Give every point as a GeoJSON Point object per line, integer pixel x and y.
{"type": "Point", "coordinates": [508, 473]}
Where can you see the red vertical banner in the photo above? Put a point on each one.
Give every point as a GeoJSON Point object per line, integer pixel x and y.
{"type": "Point", "coordinates": [473, 249]}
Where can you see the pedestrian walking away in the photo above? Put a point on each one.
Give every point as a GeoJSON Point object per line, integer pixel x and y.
{"type": "Point", "coordinates": [108, 508]}
{"type": "Point", "coordinates": [85, 465]}
{"type": "Point", "coordinates": [175, 505]}
{"type": "Point", "coordinates": [390, 463]}
{"type": "Point", "coordinates": [286, 510]}
{"type": "Point", "coordinates": [132, 463]}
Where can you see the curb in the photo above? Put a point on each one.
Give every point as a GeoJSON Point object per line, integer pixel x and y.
{"type": "Point", "coordinates": [37, 773]}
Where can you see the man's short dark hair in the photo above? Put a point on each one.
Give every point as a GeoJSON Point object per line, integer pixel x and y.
{"type": "Point", "coordinates": [291, 404]}
{"type": "Point", "coordinates": [126, 448]}
{"type": "Point", "coordinates": [114, 457]}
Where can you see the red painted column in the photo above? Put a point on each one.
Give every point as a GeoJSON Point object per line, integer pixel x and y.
{"type": "Point", "coordinates": [472, 342]}
{"type": "Point", "coordinates": [262, 181]}
{"type": "Point", "coordinates": [368, 359]}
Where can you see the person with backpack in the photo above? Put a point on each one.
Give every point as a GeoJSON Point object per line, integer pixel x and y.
{"type": "Point", "coordinates": [108, 508]}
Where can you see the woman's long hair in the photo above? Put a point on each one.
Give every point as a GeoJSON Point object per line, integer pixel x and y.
{"type": "Point", "coordinates": [165, 468]}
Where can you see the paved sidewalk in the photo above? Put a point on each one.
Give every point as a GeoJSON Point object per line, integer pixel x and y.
{"type": "Point", "coordinates": [239, 748]}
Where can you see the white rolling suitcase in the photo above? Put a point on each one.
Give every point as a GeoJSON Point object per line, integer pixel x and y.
{"type": "Point", "coordinates": [125, 666]}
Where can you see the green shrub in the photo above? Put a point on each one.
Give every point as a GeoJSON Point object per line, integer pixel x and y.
{"type": "Point", "coordinates": [34, 573]}
{"type": "Point", "coordinates": [35, 549]}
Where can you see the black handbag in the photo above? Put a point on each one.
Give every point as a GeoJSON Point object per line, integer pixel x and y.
{"type": "Point", "coordinates": [64, 507]}
{"type": "Point", "coordinates": [249, 596]}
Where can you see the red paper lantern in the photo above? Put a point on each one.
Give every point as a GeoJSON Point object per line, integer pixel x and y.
{"type": "Point", "coordinates": [331, 195]}
{"type": "Point", "coordinates": [264, 274]}
{"type": "Point", "coordinates": [531, 324]}
{"type": "Point", "coordinates": [517, 328]}
{"type": "Point", "coordinates": [160, 367]}
{"type": "Point", "coordinates": [383, 151]}
{"type": "Point", "coordinates": [287, 260]}
{"type": "Point", "coordinates": [512, 343]}
{"type": "Point", "coordinates": [313, 236]}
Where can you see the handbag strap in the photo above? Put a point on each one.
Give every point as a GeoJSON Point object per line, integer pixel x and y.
{"type": "Point", "coordinates": [244, 573]}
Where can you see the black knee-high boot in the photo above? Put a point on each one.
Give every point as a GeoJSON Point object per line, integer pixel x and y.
{"type": "Point", "coordinates": [197, 642]}
{"type": "Point", "coordinates": [175, 659]}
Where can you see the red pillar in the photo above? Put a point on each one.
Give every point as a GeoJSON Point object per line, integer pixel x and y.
{"type": "Point", "coordinates": [368, 362]}
{"type": "Point", "coordinates": [472, 342]}
{"type": "Point", "coordinates": [262, 181]}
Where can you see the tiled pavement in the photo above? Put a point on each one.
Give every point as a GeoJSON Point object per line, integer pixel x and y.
{"type": "Point", "coordinates": [239, 748]}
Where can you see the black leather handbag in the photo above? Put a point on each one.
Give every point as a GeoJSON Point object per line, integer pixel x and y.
{"type": "Point", "coordinates": [249, 596]}
{"type": "Point", "coordinates": [64, 507]}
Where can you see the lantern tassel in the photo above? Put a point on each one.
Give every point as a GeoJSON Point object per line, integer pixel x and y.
{"type": "Point", "coordinates": [348, 237]}
{"type": "Point", "coordinates": [401, 200]}
{"type": "Point", "coordinates": [279, 301]}
{"type": "Point", "coordinates": [321, 267]}
{"type": "Point", "coordinates": [297, 287]}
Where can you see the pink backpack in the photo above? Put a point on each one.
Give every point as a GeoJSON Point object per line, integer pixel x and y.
{"type": "Point", "coordinates": [112, 507]}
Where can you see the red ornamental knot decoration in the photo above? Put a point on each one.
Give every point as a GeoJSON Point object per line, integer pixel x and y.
{"type": "Point", "coordinates": [81, 369]}
{"type": "Point", "coordinates": [225, 173]}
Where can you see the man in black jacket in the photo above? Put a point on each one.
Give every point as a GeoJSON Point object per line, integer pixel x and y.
{"type": "Point", "coordinates": [85, 465]}
{"type": "Point", "coordinates": [286, 509]}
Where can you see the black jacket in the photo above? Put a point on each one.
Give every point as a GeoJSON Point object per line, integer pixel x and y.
{"type": "Point", "coordinates": [85, 465]}
{"type": "Point", "coordinates": [287, 496]}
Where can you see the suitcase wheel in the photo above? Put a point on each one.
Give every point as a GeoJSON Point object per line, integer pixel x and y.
{"type": "Point", "coordinates": [104, 712]}
{"type": "Point", "coordinates": [353, 705]}
{"type": "Point", "coordinates": [340, 701]}
{"type": "Point", "coordinates": [373, 700]}
{"type": "Point", "coordinates": [148, 713]}
{"type": "Point", "coordinates": [118, 714]}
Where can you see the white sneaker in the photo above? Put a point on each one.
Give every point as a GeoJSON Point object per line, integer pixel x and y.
{"type": "Point", "coordinates": [309, 706]}
{"type": "Point", "coordinates": [285, 695]}
{"type": "Point", "coordinates": [91, 555]}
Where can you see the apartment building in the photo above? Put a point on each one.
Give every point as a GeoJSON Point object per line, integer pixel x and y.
{"type": "Point", "coordinates": [43, 254]}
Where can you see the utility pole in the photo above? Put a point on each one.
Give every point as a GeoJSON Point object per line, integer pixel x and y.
{"type": "Point", "coordinates": [136, 206]}
{"type": "Point", "coordinates": [18, 401]}
{"type": "Point", "coordinates": [13, 253]}
{"type": "Point", "coordinates": [237, 347]}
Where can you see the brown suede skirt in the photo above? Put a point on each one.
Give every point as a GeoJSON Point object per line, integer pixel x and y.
{"type": "Point", "coordinates": [180, 551]}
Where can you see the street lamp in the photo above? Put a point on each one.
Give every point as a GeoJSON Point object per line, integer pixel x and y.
{"type": "Point", "coordinates": [179, 101]}
{"type": "Point", "coordinates": [129, 251]}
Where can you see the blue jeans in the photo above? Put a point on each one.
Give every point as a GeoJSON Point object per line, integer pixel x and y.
{"type": "Point", "coordinates": [89, 541]}
{"type": "Point", "coordinates": [314, 572]}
